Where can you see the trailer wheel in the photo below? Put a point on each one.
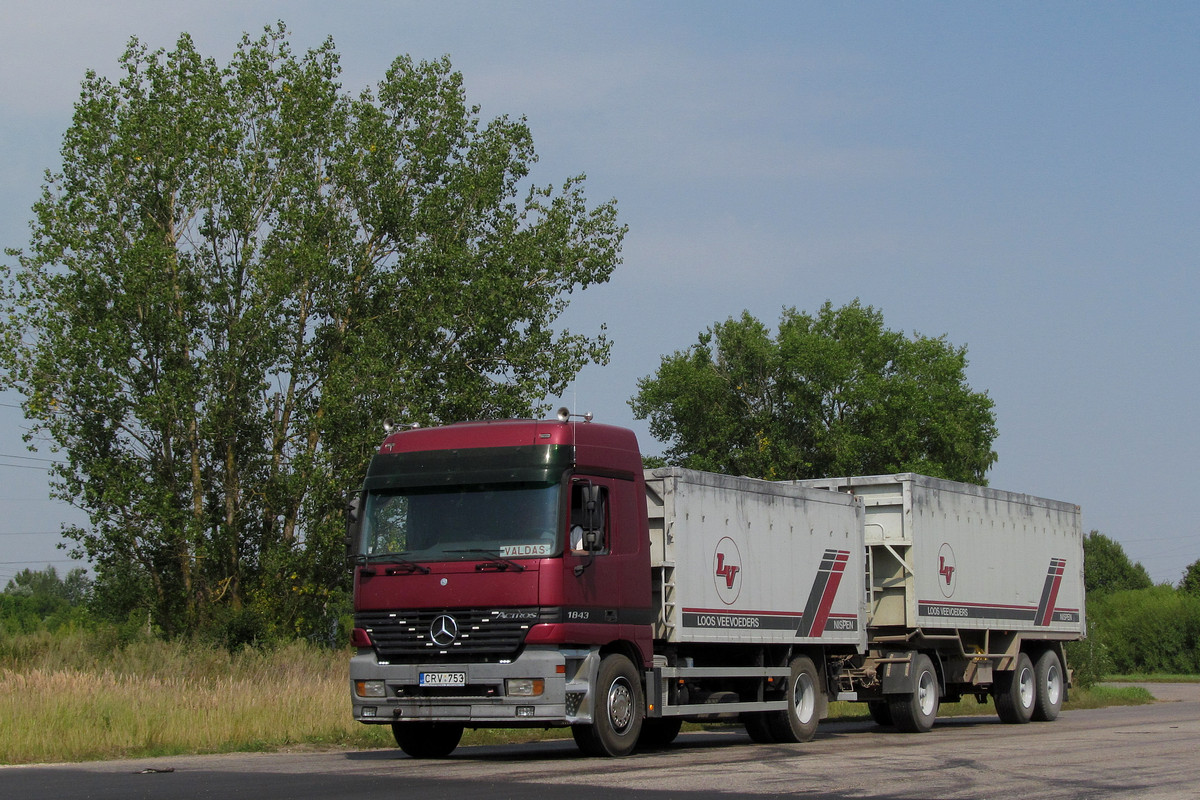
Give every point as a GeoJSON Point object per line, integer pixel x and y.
{"type": "Point", "coordinates": [1016, 692]}
{"type": "Point", "coordinates": [427, 739]}
{"type": "Point", "coordinates": [799, 722]}
{"type": "Point", "coordinates": [915, 712]}
{"type": "Point", "coordinates": [881, 713]}
{"type": "Point", "coordinates": [619, 710]}
{"type": "Point", "coordinates": [1049, 686]}
{"type": "Point", "coordinates": [658, 733]}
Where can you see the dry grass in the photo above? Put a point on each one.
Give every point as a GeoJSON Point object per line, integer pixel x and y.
{"type": "Point", "coordinates": [155, 698]}
{"type": "Point", "coordinates": [82, 697]}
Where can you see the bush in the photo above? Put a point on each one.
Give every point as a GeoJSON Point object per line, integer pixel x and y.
{"type": "Point", "coordinates": [1088, 659]}
{"type": "Point", "coordinates": [1147, 630]}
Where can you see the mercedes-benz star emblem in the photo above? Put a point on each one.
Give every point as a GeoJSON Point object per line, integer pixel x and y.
{"type": "Point", "coordinates": [444, 630]}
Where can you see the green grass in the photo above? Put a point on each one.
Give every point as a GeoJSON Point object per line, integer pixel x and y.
{"type": "Point", "coordinates": [1156, 677]}
{"type": "Point", "coordinates": [80, 697]}
{"type": "Point", "coordinates": [1095, 697]}
{"type": "Point", "coordinates": [1102, 696]}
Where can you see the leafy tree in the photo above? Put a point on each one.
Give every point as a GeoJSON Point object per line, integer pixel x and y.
{"type": "Point", "coordinates": [46, 585]}
{"type": "Point", "coordinates": [831, 394]}
{"type": "Point", "coordinates": [1190, 583]}
{"type": "Point", "coordinates": [1106, 567]}
{"type": "Point", "coordinates": [40, 599]}
{"type": "Point", "coordinates": [240, 270]}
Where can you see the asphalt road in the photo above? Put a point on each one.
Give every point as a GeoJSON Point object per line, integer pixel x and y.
{"type": "Point", "coordinates": [1122, 752]}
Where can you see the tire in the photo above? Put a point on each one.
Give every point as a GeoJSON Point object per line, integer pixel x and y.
{"type": "Point", "coordinates": [618, 712]}
{"type": "Point", "coordinates": [880, 712]}
{"type": "Point", "coordinates": [799, 722]}
{"type": "Point", "coordinates": [915, 712]}
{"type": "Point", "coordinates": [427, 739]}
{"type": "Point", "coordinates": [758, 727]}
{"type": "Point", "coordinates": [585, 741]}
{"type": "Point", "coordinates": [1016, 692]}
{"type": "Point", "coordinates": [659, 732]}
{"type": "Point", "coordinates": [1049, 686]}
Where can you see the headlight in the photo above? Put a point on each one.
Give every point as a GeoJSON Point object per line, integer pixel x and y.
{"type": "Point", "coordinates": [524, 687]}
{"type": "Point", "coordinates": [370, 689]}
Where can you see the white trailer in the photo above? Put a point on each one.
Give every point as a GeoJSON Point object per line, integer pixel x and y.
{"type": "Point", "coordinates": [970, 590]}
{"type": "Point", "coordinates": [901, 591]}
{"type": "Point", "coordinates": [756, 584]}
{"type": "Point", "coordinates": [750, 561]}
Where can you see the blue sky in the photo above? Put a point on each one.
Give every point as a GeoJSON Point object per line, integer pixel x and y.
{"type": "Point", "coordinates": [1023, 178]}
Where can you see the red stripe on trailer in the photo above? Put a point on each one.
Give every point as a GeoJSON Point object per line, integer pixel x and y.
{"type": "Point", "coordinates": [1050, 594]}
{"type": "Point", "coordinates": [836, 560]}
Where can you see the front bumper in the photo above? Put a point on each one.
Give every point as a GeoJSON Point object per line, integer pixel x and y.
{"type": "Point", "coordinates": [566, 698]}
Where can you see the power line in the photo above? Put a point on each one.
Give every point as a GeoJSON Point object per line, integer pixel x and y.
{"type": "Point", "coordinates": [31, 458]}
{"type": "Point", "coordinates": [31, 500]}
{"type": "Point", "coordinates": [44, 464]}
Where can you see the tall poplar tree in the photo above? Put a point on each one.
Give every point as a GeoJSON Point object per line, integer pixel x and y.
{"type": "Point", "coordinates": [240, 271]}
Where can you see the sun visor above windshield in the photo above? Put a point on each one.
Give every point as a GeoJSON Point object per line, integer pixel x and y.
{"type": "Point", "coordinates": [531, 463]}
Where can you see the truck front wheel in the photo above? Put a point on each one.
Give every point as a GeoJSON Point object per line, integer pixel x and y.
{"type": "Point", "coordinates": [618, 713]}
{"type": "Point", "coordinates": [915, 712]}
{"type": "Point", "coordinates": [1016, 692]}
{"type": "Point", "coordinates": [1049, 686]}
{"type": "Point", "coordinates": [427, 739]}
{"type": "Point", "coordinates": [658, 733]}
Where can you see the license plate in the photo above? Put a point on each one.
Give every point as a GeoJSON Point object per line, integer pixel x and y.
{"type": "Point", "coordinates": [443, 679]}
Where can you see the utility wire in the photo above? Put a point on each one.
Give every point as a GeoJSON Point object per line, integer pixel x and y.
{"type": "Point", "coordinates": [31, 458]}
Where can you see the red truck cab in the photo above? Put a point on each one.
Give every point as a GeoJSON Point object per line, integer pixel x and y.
{"type": "Point", "coordinates": [495, 565]}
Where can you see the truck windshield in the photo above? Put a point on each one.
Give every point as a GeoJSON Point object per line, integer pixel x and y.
{"type": "Point", "coordinates": [507, 520]}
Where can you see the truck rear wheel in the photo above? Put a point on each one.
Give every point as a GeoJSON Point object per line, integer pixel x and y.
{"type": "Point", "coordinates": [915, 712]}
{"type": "Point", "coordinates": [427, 739]}
{"type": "Point", "coordinates": [799, 722]}
{"type": "Point", "coordinates": [1048, 686]}
{"type": "Point", "coordinates": [1016, 692]}
{"type": "Point", "coordinates": [618, 713]}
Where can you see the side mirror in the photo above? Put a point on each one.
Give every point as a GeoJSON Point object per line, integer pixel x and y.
{"type": "Point", "coordinates": [594, 511]}
{"type": "Point", "coordinates": [353, 511]}
{"type": "Point", "coordinates": [591, 502]}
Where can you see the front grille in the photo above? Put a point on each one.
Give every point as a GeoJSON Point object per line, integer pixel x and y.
{"type": "Point", "coordinates": [482, 634]}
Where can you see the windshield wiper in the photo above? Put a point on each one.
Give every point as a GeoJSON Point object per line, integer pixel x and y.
{"type": "Point", "coordinates": [496, 560]}
{"type": "Point", "coordinates": [396, 558]}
